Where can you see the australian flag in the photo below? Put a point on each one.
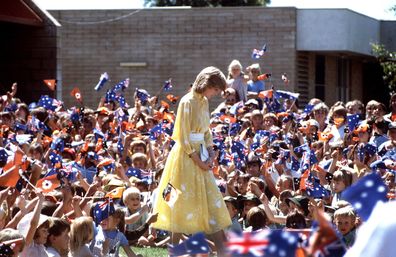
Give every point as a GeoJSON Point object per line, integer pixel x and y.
{"type": "Point", "coordinates": [353, 121]}
{"type": "Point", "coordinates": [286, 95]}
{"type": "Point", "coordinates": [48, 103]}
{"type": "Point", "coordinates": [196, 244]}
{"type": "Point", "coordinates": [102, 80]}
{"type": "Point", "coordinates": [364, 194]}
{"type": "Point", "coordinates": [263, 243]}
{"type": "Point", "coordinates": [167, 85]}
{"type": "Point", "coordinates": [103, 210]}
{"type": "Point", "coordinates": [121, 85]}
{"type": "Point", "coordinates": [256, 54]}
{"type": "Point", "coordinates": [142, 95]}
{"type": "Point", "coordinates": [313, 188]}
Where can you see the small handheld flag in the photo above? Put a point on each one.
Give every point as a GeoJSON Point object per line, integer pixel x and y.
{"type": "Point", "coordinates": [167, 85]}
{"type": "Point", "coordinates": [364, 194]}
{"type": "Point", "coordinates": [173, 99]}
{"type": "Point", "coordinates": [256, 54]}
{"type": "Point", "coordinates": [103, 79]}
{"type": "Point", "coordinates": [285, 79]}
{"type": "Point", "coordinates": [76, 93]}
{"type": "Point", "coordinates": [50, 83]}
{"type": "Point", "coordinates": [264, 76]}
{"type": "Point", "coordinates": [170, 194]}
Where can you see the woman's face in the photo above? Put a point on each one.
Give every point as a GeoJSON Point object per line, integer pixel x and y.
{"type": "Point", "coordinates": [320, 115]}
{"type": "Point", "coordinates": [268, 122]}
{"type": "Point", "coordinates": [257, 121]}
{"type": "Point", "coordinates": [211, 91]}
{"type": "Point", "coordinates": [235, 72]}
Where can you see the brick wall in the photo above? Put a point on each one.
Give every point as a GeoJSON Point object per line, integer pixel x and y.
{"type": "Point", "coordinates": [27, 56]}
{"type": "Point", "coordinates": [175, 43]}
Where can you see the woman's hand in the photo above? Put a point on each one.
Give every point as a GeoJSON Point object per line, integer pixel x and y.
{"type": "Point", "coordinates": [203, 165]}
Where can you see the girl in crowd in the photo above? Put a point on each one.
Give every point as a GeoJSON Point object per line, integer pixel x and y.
{"type": "Point", "coordinates": [237, 80]}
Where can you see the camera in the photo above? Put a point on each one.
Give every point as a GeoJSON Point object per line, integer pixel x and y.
{"type": "Point", "coordinates": [275, 155]}
{"type": "Point", "coordinates": [249, 133]}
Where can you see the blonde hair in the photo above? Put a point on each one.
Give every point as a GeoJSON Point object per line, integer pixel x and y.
{"type": "Point", "coordinates": [346, 212]}
{"type": "Point", "coordinates": [255, 67]}
{"type": "Point", "coordinates": [234, 64]}
{"type": "Point", "coordinates": [3, 210]}
{"type": "Point", "coordinates": [130, 192]}
{"type": "Point", "coordinates": [139, 157]}
{"type": "Point", "coordinates": [81, 232]}
{"type": "Point", "coordinates": [210, 77]}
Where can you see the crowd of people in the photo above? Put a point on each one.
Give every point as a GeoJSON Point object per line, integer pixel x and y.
{"type": "Point", "coordinates": [85, 182]}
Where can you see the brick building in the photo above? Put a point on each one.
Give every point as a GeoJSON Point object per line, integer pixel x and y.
{"type": "Point", "coordinates": [28, 48]}
{"type": "Point", "coordinates": [325, 52]}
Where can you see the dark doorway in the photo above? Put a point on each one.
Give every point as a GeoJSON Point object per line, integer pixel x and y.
{"type": "Point", "coordinates": [374, 87]}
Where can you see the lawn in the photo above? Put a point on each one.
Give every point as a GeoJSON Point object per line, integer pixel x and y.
{"type": "Point", "coordinates": [148, 252]}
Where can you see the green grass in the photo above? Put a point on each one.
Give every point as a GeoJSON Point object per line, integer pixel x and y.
{"type": "Point", "coordinates": [147, 252]}
{"type": "Point", "coordinates": [150, 252]}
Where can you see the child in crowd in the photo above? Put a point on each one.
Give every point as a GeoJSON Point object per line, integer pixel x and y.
{"type": "Point", "coordinates": [341, 180]}
{"type": "Point", "coordinates": [136, 215]}
{"type": "Point", "coordinates": [233, 210]}
{"type": "Point", "coordinates": [345, 220]}
{"type": "Point", "coordinates": [257, 219]}
{"type": "Point", "coordinates": [110, 237]}
{"type": "Point", "coordinates": [81, 234]}
{"type": "Point", "coordinates": [34, 227]}
{"type": "Point", "coordinates": [254, 85]}
{"type": "Point", "coordinates": [58, 238]}
{"type": "Point", "coordinates": [11, 242]}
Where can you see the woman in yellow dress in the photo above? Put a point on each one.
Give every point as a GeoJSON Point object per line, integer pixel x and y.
{"type": "Point", "coordinates": [199, 206]}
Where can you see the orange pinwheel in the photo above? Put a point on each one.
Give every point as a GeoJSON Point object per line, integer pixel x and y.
{"type": "Point", "coordinates": [48, 184]}
{"type": "Point", "coordinates": [266, 94]}
{"type": "Point", "coordinates": [165, 105]}
{"type": "Point", "coordinates": [227, 119]}
{"type": "Point", "coordinates": [173, 99]}
{"type": "Point", "coordinates": [50, 83]}
{"type": "Point", "coordinates": [76, 93]}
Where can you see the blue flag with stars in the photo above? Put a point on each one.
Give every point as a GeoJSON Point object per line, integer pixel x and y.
{"type": "Point", "coordinates": [103, 210]}
{"type": "Point", "coordinates": [365, 193]}
{"type": "Point", "coordinates": [353, 121]}
{"type": "Point", "coordinates": [262, 243]}
{"type": "Point", "coordinates": [196, 244]}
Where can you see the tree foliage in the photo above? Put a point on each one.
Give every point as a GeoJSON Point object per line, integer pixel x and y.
{"type": "Point", "coordinates": [387, 61]}
{"type": "Point", "coordinates": [206, 3]}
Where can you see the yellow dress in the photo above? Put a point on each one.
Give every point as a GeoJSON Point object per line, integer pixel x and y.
{"type": "Point", "coordinates": [200, 206]}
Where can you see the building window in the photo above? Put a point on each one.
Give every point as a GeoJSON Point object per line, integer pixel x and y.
{"type": "Point", "coordinates": [343, 78]}
{"type": "Point", "coordinates": [320, 65]}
